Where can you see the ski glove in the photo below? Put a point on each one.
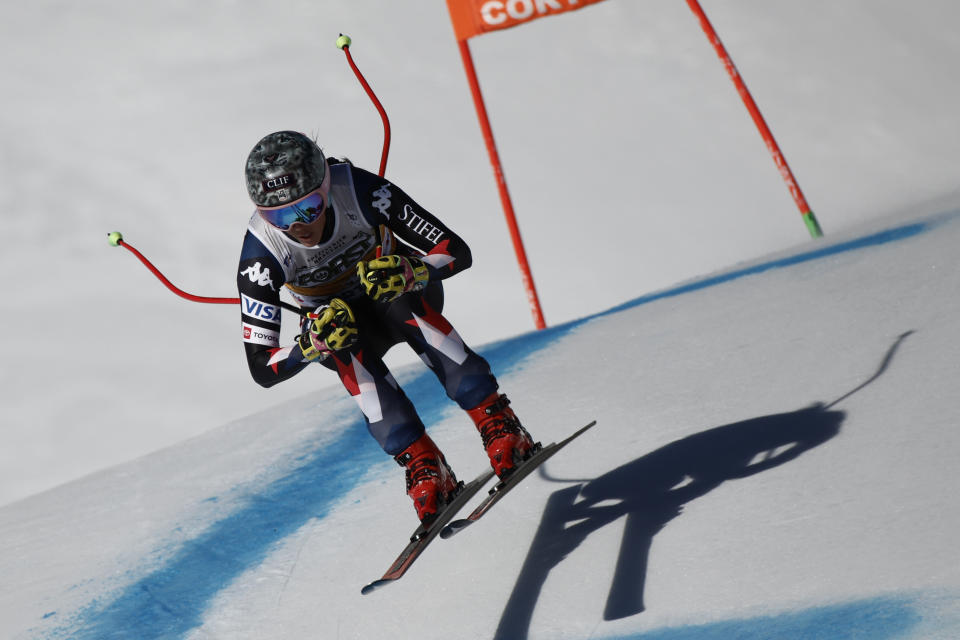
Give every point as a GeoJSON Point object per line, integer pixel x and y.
{"type": "Point", "coordinates": [387, 278]}
{"type": "Point", "coordinates": [331, 328]}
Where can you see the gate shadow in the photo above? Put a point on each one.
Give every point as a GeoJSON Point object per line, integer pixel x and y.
{"type": "Point", "coordinates": [649, 492]}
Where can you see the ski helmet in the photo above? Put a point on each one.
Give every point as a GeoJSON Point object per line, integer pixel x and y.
{"type": "Point", "coordinates": [283, 167]}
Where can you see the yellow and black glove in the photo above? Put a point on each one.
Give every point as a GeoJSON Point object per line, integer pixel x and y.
{"type": "Point", "coordinates": [387, 278]}
{"type": "Point", "coordinates": [331, 328]}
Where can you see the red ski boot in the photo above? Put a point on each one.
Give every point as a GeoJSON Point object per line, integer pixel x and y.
{"type": "Point", "coordinates": [430, 481]}
{"type": "Point", "coordinates": [506, 441]}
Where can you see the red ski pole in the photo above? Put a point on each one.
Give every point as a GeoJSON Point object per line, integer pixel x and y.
{"type": "Point", "coordinates": [343, 43]}
{"type": "Point", "coordinates": [116, 240]}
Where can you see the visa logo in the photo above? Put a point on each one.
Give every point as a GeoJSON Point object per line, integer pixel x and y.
{"type": "Point", "coordinates": [258, 309]}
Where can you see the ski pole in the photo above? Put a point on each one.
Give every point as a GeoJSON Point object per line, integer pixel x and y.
{"type": "Point", "coordinates": [115, 239]}
{"type": "Point", "coordinates": [343, 43]}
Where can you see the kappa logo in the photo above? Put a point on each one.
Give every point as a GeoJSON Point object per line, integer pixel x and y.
{"type": "Point", "coordinates": [382, 203]}
{"type": "Point", "coordinates": [259, 276]}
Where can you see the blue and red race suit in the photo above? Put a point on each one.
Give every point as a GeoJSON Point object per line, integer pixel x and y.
{"type": "Point", "coordinates": [364, 211]}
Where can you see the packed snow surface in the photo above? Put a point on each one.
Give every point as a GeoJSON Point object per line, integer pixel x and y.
{"type": "Point", "coordinates": [776, 440]}
{"type": "Point", "coordinates": [774, 457]}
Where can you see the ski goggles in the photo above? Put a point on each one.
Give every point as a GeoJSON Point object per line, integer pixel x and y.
{"type": "Point", "coordinates": [305, 210]}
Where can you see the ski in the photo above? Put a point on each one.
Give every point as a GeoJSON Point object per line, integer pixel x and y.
{"type": "Point", "coordinates": [503, 487]}
{"type": "Point", "coordinates": [423, 536]}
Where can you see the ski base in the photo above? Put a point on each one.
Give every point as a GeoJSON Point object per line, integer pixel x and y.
{"type": "Point", "coordinates": [423, 536]}
{"type": "Point", "coordinates": [503, 487]}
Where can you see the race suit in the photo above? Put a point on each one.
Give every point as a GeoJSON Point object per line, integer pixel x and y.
{"type": "Point", "coordinates": [364, 210]}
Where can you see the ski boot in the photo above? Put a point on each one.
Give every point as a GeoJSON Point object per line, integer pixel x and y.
{"type": "Point", "coordinates": [430, 481]}
{"type": "Point", "coordinates": [506, 441]}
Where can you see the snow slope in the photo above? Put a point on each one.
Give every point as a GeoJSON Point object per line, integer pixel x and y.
{"type": "Point", "coordinates": [625, 146]}
{"type": "Point", "coordinates": [775, 457]}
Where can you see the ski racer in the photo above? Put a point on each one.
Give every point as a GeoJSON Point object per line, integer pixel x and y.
{"type": "Point", "coordinates": [367, 262]}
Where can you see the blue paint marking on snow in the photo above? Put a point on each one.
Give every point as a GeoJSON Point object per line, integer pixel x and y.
{"type": "Point", "coordinates": [171, 600]}
{"type": "Point", "coordinates": [883, 237]}
{"type": "Point", "coordinates": [882, 618]}
{"type": "Point", "coordinates": [511, 353]}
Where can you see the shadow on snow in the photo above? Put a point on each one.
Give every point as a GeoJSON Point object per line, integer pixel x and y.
{"type": "Point", "coordinates": [651, 491]}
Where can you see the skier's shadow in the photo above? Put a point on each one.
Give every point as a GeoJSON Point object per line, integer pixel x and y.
{"type": "Point", "coordinates": [651, 491]}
